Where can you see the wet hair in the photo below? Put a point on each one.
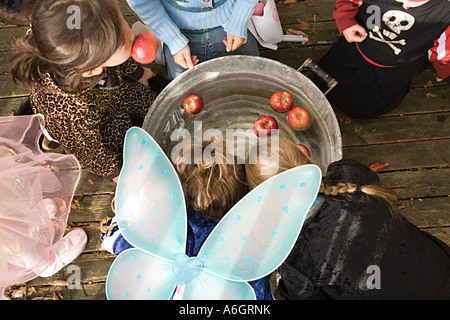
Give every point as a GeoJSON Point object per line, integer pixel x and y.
{"type": "Point", "coordinates": [211, 187]}
{"type": "Point", "coordinates": [290, 156]}
{"type": "Point", "coordinates": [53, 45]}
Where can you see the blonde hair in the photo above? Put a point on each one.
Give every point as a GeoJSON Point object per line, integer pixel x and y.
{"type": "Point", "coordinates": [211, 187]}
{"type": "Point", "coordinates": [290, 156]}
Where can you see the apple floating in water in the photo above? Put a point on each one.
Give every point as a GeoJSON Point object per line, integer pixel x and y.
{"type": "Point", "coordinates": [265, 124]}
{"type": "Point", "coordinates": [281, 101]}
{"type": "Point", "coordinates": [144, 48]}
{"type": "Point", "coordinates": [304, 149]}
{"type": "Point", "coordinates": [192, 103]}
{"type": "Point", "coordinates": [299, 118]}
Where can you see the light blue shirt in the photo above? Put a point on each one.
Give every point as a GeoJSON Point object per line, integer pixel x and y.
{"type": "Point", "coordinates": [166, 17]}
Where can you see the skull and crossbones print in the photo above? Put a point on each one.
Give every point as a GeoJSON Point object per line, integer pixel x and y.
{"type": "Point", "coordinates": [397, 21]}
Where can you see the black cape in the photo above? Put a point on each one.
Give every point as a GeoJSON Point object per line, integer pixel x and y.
{"type": "Point", "coordinates": [354, 248]}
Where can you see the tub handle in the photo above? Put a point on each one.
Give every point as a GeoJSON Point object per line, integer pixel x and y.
{"type": "Point", "coordinates": [319, 73]}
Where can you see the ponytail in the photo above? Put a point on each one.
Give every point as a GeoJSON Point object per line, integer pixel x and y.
{"type": "Point", "coordinates": [375, 190]}
{"type": "Point", "coordinates": [24, 65]}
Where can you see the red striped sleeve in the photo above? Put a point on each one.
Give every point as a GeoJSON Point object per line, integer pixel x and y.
{"type": "Point", "coordinates": [439, 55]}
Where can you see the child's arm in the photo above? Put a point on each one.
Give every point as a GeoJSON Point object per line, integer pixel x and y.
{"type": "Point", "coordinates": [344, 13]}
{"type": "Point", "coordinates": [236, 27]}
{"type": "Point", "coordinates": [439, 55]}
{"type": "Point", "coordinates": [153, 14]}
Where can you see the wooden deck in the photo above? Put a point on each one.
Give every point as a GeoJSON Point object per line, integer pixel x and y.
{"type": "Point", "coordinates": [414, 139]}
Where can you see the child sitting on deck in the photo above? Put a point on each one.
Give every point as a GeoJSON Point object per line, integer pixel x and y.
{"type": "Point", "coordinates": [354, 244]}
{"type": "Point", "coordinates": [76, 59]}
{"type": "Point", "coordinates": [211, 189]}
{"type": "Point", "coordinates": [383, 45]}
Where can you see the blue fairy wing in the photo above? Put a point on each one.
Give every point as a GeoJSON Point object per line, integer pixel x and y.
{"type": "Point", "coordinates": [150, 205]}
{"type": "Point", "coordinates": [136, 275]}
{"type": "Point", "coordinates": [211, 287]}
{"type": "Point", "coordinates": [259, 232]}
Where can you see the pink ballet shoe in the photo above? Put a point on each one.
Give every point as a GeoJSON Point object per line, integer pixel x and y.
{"type": "Point", "coordinates": [69, 248]}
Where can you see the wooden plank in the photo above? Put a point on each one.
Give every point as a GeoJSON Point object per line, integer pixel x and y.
{"type": "Point", "coordinates": [427, 212]}
{"type": "Point", "coordinates": [403, 156]}
{"type": "Point", "coordinates": [418, 184]}
{"type": "Point", "coordinates": [94, 184]}
{"type": "Point", "coordinates": [386, 130]}
{"type": "Point", "coordinates": [442, 234]}
{"type": "Point", "coordinates": [306, 10]}
{"type": "Point", "coordinates": [8, 105]}
{"type": "Point", "coordinates": [93, 268]}
{"type": "Point", "coordinates": [91, 208]}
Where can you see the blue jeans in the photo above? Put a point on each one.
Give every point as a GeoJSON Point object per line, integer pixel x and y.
{"type": "Point", "coordinates": [207, 44]}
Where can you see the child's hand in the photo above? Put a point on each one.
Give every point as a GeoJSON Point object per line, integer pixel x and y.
{"type": "Point", "coordinates": [233, 42]}
{"type": "Point", "coordinates": [184, 58]}
{"type": "Point", "coordinates": [355, 33]}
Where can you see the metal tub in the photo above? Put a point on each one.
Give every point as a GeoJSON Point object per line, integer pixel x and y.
{"type": "Point", "coordinates": [236, 91]}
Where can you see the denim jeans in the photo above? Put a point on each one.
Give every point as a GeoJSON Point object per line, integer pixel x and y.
{"type": "Point", "coordinates": [207, 44]}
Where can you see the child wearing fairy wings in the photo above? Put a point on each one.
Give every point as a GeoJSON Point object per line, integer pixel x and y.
{"type": "Point", "coordinates": [383, 44]}
{"type": "Point", "coordinates": [76, 59]}
{"type": "Point", "coordinates": [211, 189]}
{"type": "Point", "coordinates": [354, 244]}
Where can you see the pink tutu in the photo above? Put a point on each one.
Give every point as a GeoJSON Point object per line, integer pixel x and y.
{"type": "Point", "coordinates": [36, 191]}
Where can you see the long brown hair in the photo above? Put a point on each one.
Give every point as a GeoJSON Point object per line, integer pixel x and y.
{"type": "Point", "coordinates": [211, 187]}
{"type": "Point", "coordinates": [290, 156]}
{"type": "Point", "coordinates": [51, 46]}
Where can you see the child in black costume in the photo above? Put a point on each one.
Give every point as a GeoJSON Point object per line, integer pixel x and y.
{"type": "Point", "coordinates": [354, 244]}
{"type": "Point", "coordinates": [385, 43]}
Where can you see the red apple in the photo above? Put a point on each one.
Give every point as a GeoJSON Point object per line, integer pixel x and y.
{"type": "Point", "coordinates": [265, 124]}
{"type": "Point", "coordinates": [304, 149]}
{"type": "Point", "coordinates": [144, 48]}
{"type": "Point", "coordinates": [281, 101]}
{"type": "Point", "coordinates": [299, 118]}
{"type": "Point", "coordinates": [192, 103]}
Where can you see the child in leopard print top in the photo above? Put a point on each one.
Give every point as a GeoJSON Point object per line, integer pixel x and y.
{"type": "Point", "coordinates": [83, 80]}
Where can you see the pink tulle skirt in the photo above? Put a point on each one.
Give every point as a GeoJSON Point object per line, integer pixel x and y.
{"type": "Point", "coordinates": [36, 191]}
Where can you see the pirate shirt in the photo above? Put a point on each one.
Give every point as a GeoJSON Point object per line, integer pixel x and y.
{"type": "Point", "coordinates": [399, 36]}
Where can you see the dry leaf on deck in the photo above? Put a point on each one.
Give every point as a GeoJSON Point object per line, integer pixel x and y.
{"type": "Point", "coordinates": [75, 204]}
{"type": "Point", "coordinates": [303, 25]}
{"type": "Point", "coordinates": [289, 1]}
{"type": "Point", "coordinates": [296, 32]}
{"type": "Point", "coordinates": [431, 95]}
{"type": "Point", "coordinates": [378, 166]}
{"type": "Point", "coordinates": [58, 283]}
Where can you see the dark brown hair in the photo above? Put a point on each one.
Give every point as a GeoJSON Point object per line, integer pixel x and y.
{"type": "Point", "coordinates": [211, 187]}
{"type": "Point", "coordinates": [51, 46]}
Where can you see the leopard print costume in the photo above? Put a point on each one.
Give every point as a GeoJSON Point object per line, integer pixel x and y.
{"type": "Point", "coordinates": [91, 124]}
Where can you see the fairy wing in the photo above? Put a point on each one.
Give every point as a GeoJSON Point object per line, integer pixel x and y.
{"type": "Point", "coordinates": [150, 206]}
{"type": "Point", "coordinates": [137, 275]}
{"type": "Point", "coordinates": [259, 232]}
{"type": "Point", "coordinates": [151, 214]}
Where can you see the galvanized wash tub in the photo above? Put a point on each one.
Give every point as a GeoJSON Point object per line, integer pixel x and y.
{"type": "Point", "coordinates": [236, 91]}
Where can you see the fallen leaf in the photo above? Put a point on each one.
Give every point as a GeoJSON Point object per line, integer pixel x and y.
{"type": "Point", "coordinates": [378, 166]}
{"type": "Point", "coordinates": [92, 182]}
{"type": "Point", "coordinates": [296, 32]}
{"type": "Point", "coordinates": [289, 1]}
{"type": "Point", "coordinates": [431, 95]}
{"type": "Point", "coordinates": [58, 283]}
{"type": "Point", "coordinates": [303, 25]}
{"type": "Point", "coordinates": [75, 204]}
{"type": "Point", "coordinates": [348, 120]}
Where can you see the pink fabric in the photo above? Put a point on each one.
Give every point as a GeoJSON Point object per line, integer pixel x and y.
{"type": "Point", "coordinates": [36, 191]}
